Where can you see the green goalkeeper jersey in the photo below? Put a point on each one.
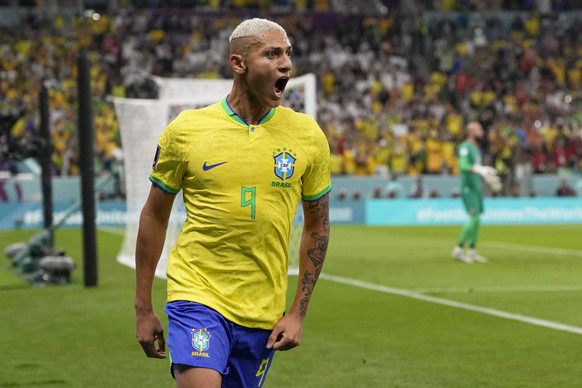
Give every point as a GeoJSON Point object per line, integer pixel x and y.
{"type": "Point", "coordinates": [469, 155]}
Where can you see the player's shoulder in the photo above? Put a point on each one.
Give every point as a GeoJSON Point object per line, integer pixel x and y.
{"type": "Point", "coordinates": [188, 121]}
{"type": "Point", "coordinates": [464, 148]}
{"type": "Point", "coordinates": [467, 145]}
{"type": "Point", "coordinates": [299, 125]}
{"type": "Point", "coordinates": [206, 112]}
{"type": "Point", "coordinates": [293, 117]}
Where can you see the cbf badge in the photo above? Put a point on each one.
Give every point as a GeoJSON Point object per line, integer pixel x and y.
{"type": "Point", "coordinates": [200, 342]}
{"type": "Point", "coordinates": [284, 163]}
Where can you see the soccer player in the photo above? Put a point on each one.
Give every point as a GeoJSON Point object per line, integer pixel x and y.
{"type": "Point", "coordinates": [471, 191]}
{"type": "Point", "coordinates": [243, 165]}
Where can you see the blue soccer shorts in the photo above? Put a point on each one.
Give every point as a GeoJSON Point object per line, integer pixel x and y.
{"type": "Point", "coordinates": [199, 336]}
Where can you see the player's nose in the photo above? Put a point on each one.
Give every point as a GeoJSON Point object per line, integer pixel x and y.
{"type": "Point", "coordinates": [286, 64]}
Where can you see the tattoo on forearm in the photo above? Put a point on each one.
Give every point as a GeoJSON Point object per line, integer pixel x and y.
{"type": "Point", "coordinates": [317, 272]}
{"type": "Point", "coordinates": [317, 251]}
{"type": "Point", "coordinates": [308, 282]}
{"type": "Point", "coordinates": [317, 254]}
{"type": "Point", "coordinates": [303, 306]}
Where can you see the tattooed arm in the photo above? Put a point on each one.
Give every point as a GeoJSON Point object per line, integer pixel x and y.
{"type": "Point", "coordinates": [314, 241]}
{"type": "Point", "coordinates": [313, 248]}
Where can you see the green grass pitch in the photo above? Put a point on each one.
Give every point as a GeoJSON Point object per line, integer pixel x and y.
{"type": "Point", "coordinates": [376, 331]}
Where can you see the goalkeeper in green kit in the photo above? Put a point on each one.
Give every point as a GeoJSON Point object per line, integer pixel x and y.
{"type": "Point", "coordinates": [471, 191]}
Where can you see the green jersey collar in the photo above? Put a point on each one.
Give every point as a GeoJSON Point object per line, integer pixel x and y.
{"type": "Point", "coordinates": [233, 115]}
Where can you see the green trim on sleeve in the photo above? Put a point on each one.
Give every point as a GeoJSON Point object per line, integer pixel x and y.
{"type": "Point", "coordinates": [315, 197]}
{"type": "Point", "coordinates": [163, 186]}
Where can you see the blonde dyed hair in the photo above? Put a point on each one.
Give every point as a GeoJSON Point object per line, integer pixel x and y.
{"type": "Point", "coordinates": [253, 27]}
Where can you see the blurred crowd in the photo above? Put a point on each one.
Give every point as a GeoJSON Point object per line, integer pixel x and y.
{"type": "Point", "coordinates": [543, 6]}
{"type": "Point", "coordinates": [394, 89]}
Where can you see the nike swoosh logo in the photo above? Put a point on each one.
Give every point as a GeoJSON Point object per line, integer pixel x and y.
{"type": "Point", "coordinates": [207, 167]}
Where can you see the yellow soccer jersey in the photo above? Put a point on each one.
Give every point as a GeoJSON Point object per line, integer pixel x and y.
{"type": "Point", "coordinates": [242, 185]}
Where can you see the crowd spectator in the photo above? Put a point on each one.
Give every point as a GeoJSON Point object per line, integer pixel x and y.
{"type": "Point", "coordinates": [394, 188]}
{"type": "Point", "coordinates": [565, 190]}
{"type": "Point", "coordinates": [418, 189]}
{"type": "Point", "coordinates": [387, 107]}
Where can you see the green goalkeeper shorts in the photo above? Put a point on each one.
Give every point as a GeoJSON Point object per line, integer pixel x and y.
{"type": "Point", "coordinates": [473, 201]}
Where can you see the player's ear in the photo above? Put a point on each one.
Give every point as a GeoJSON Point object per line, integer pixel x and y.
{"type": "Point", "coordinates": [237, 63]}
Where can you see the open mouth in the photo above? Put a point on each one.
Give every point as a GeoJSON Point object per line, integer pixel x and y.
{"type": "Point", "coordinates": [280, 86]}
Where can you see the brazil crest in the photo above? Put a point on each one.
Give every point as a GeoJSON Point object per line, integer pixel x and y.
{"type": "Point", "coordinates": [200, 342]}
{"type": "Point", "coordinates": [284, 164]}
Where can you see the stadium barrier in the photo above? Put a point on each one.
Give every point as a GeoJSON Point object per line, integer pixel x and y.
{"type": "Point", "coordinates": [27, 187]}
{"type": "Point", "coordinates": [21, 205]}
{"type": "Point", "coordinates": [437, 211]}
{"type": "Point", "coordinates": [498, 211]}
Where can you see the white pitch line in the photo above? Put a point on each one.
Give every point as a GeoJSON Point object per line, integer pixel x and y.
{"type": "Point", "coordinates": [536, 249]}
{"type": "Point", "coordinates": [116, 231]}
{"type": "Point", "coordinates": [461, 290]}
{"type": "Point", "coordinates": [451, 303]}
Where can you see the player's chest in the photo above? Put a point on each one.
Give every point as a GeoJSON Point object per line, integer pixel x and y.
{"type": "Point", "coordinates": [253, 158]}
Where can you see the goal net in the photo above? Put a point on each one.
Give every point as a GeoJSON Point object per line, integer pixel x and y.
{"type": "Point", "coordinates": [141, 122]}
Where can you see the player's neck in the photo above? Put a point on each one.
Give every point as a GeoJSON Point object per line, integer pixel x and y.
{"type": "Point", "coordinates": [250, 111]}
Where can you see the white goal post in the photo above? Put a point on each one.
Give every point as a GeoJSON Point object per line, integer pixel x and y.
{"type": "Point", "coordinates": [141, 122]}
